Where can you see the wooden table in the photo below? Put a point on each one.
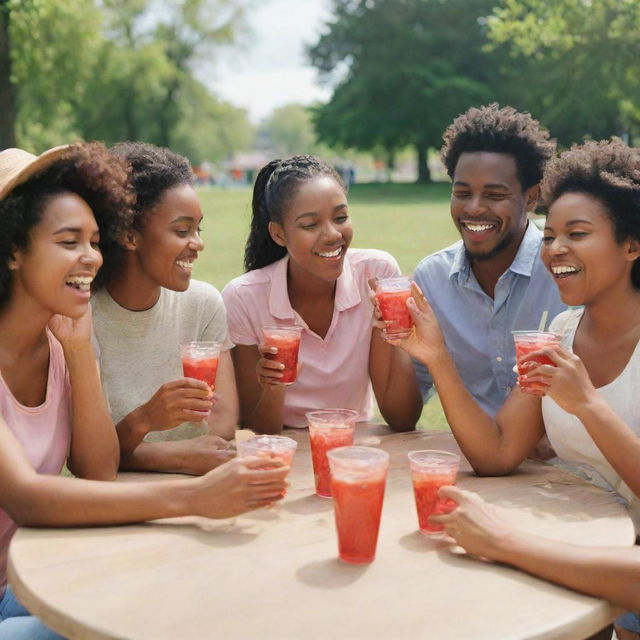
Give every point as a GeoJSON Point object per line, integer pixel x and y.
{"type": "Point", "coordinates": [274, 573]}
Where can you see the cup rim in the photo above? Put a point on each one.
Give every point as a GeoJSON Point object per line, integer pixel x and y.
{"type": "Point", "coordinates": [293, 327]}
{"type": "Point", "coordinates": [349, 415]}
{"type": "Point", "coordinates": [282, 443]}
{"type": "Point", "coordinates": [341, 455]}
{"type": "Point", "coordinates": [535, 332]}
{"type": "Point", "coordinates": [450, 459]}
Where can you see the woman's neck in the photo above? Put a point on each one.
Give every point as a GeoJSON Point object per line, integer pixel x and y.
{"type": "Point", "coordinates": [303, 288]}
{"type": "Point", "coordinates": [614, 315]}
{"type": "Point", "coordinates": [133, 291]}
{"type": "Point", "coordinates": [23, 327]}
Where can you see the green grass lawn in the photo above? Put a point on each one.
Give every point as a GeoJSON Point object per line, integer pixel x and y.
{"type": "Point", "coordinates": [410, 221]}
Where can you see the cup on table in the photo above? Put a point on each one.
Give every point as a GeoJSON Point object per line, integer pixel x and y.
{"type": "Point", "coordinates": [328, 429]}
{"type": "Point", "coordinates": [358, 477]}
{"type": "Point", "coordinates": [268, 447]}
{"type": "Point", "coordinates": [392, 295]}
{"type": "Point", "coordinates": [200, 361]}
{"type": "Point", "coordinates": [430, 470]}
{"type": "Point", "coordinates": [525, 343]}
{"type": "Point", "coordinates": [287, 341]}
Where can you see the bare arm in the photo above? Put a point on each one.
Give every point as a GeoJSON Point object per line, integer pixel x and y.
{"type": "Point", "coordinates": [492, 446]}
{"type": "Point", "coordinates": [261, 405]}
{"type": "Point", "coordinates": [94, 451]}
{"type": "Point", "coordinates": [394, 383]}
{"type": "Point", "coordinates": [43, 500]}
{"type": "Point", "coordinates": [569, 384]}
{"type": "Point", "coordinates": [612, 573]}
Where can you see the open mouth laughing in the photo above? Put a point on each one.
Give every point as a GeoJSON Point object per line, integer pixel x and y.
{"type": "Point", "coordinates": [82, 283]}
{"type": "Point", "coordinates": [564, 271]}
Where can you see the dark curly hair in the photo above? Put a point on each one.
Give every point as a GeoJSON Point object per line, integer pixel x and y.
{"type": "Point", "coordinates": [90, 171]}
{"type": "Point", "coordinates": [276, 184]}
{"type": "Point", "coordinates": [497, 130]}
{"type": "Point", "coordinates": [608, 171]}
{"type": "Point", "coordinates": [152, 170]}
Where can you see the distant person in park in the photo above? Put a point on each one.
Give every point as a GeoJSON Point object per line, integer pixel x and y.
{"type": "Point", "coordinates": [612, 573]}
{"type": "Point", "coordinates": [56, 211]}
{"type": "Point", "coordinates": [589, 407]}
{"type": "Point", "coordinates": [146, 305]}
{"type": "Point", "coordinates": [492, 281]}
{"type": "Point", "coordinates": [302, 271]}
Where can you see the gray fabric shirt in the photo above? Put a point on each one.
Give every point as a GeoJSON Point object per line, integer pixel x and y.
{"type": "Point", "coordinates": [139, 351]}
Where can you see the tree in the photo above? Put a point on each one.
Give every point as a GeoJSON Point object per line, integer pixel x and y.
{"type": "Point", "coordinates": [7, 93]}
{"type": "Point", "coordinates": [584, 56]}
{"type": "Point", "coordinates": [291, 130]}
{"type": "Point", "coordinates": [432, 66]}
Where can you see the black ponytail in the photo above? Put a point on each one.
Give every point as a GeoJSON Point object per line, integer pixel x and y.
{"type": "Point", "coordinates": [275, 185]}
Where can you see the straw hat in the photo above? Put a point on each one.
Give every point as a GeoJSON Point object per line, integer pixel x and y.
{"type": "Point", "coordinates": [17, 166]}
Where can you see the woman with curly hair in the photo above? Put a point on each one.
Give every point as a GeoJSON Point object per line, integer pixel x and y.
{"type": "Point", "coordinates": [148, 305]}
{"type": "Point", "coordinates": [57, 211]}
{"type": "Point", "coordinates": [302, 271]}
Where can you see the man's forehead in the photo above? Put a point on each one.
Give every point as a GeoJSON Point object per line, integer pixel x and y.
{"type": "Point", "coordinates": [489, 167]}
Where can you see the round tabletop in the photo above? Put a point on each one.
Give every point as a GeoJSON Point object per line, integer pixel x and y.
{"type": "Point", "coordinates": [274, 573]}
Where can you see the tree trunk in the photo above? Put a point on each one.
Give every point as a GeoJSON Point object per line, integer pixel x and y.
{"type": "Point", "coordinates": [7, 91]}
{"type": "Point", "coordinates": [424, 174]}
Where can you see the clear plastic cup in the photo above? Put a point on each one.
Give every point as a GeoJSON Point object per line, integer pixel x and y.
{"type": "Point", "coordinates": [392, 295]}
{"type": "Point", "coordinates": [200, 361]}
{"type": "Point", "coordinates": [430, 470]}
{"type": "Point", "coordinates": [525, 343]}
{"type": "Point", "coordinates": [287, 341]}
{"type": "Point", "coordinates": [358, 478]}
{"type": "Point", "coordinates": [270, 448]}
{"type": "Point", "coordinates": [328, 429]}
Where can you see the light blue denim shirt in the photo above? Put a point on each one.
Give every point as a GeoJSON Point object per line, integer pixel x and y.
{"type": "Point", "coordinates": [478, 329]}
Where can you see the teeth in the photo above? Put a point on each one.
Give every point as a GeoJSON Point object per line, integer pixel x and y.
{"type": "Point", "coordinates": [331, 254]}
{"type": "Point", "coordinates": [477, 227]}
{"type": "Point", "coordinates": [80, 282]}
{"type": "Point", "coordinates": [564, 269]}
{"type": "Point", "coordinates": [186, 264]}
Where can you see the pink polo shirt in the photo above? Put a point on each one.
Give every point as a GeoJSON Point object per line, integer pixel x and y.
{"type": "Point", "coordinates": [336, 368]}
{"type": "Point", "coordinates": [44, 433]}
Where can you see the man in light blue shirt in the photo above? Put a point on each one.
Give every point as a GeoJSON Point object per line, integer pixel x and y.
{"type": "Point", "coordinates": [492, 281]}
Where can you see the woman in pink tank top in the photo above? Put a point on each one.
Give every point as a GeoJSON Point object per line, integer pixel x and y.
{"type": "Point", "coordinates": [57, 211]}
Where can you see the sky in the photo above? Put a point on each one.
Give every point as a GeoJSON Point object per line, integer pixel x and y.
{"type": "Point", "coordinates": [268, 69]}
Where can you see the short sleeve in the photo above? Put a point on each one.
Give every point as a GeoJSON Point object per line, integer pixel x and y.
{"type": "Point", "coordinates": [238, 321]}
{"type": "Point", "coordinates": [382, 265]}
{"type": "Point", "coordinates": [216, 329]}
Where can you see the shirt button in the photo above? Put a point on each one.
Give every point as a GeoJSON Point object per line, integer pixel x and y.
{"type": "Point", "coordinates": [498, 358]}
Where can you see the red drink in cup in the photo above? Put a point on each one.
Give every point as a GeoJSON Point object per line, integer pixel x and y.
{"type": "Point", "coordinates": [270, 448]}
{"type": "Point", "coordinates": [200, 361]}
{"type": "Point", "coordinates": [358, 476]}
{"type": "Point", "coordinates": [527, 342]}
{"type": "Point", "coordinates": [392, 295]}
{"type": "Point", "coordinates": [430, 470]}
{"type": "Point", "coordinates": [328, 429]}
{"type": "Point", "coordinates": [287, 341]}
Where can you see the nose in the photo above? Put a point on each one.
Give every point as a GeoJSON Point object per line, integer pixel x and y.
{"type": "Point", "coordinates": [331, 233]}
{"type": "Point", "coordinates": [474, 206]}
{"type": "Point", "coordinates": [196, 243]}
{"type": "Point", "coordinates": [91, 257]}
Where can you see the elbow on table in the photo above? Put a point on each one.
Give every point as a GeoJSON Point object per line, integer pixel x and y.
{"type": "Point", "coordinates": [401, 425]}
{"type": "Point", "coordinates": [486, 469]}
{"type": "Point", "coordinates": [106, 472]}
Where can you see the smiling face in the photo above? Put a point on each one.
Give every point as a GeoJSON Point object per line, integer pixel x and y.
{"type": "Point", "coordinates": [581, 251]}
{"type": "Point", "coordinates": [56, 269]}
{"type": "Point", "coordinates": [167, 247]}
{"type": "Point", "coordinates": [488, 205]}
{"type": "Point", "coordinates": [316, 229]}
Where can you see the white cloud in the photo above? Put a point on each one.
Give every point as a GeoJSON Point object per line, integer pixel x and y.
{"type": "Point", "coordinates": [270, 68]}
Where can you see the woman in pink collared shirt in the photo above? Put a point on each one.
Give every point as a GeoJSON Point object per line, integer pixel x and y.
{"type": "Point", "coordinates": [300, 271]}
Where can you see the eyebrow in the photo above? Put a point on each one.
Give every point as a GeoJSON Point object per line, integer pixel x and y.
{"type": "Point", "coordinates": [573, 223]}
{"type": "Point", "coordinates": [185, 219]}
{"type": "Point", "coordinates": [67, 230]}
{"type": "Point", "coordinates": [315, 214]}
{"type": "Point", "coordinates": [491, 185]}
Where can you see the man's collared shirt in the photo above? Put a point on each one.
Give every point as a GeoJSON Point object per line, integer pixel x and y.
{"type": "Point", "coordinates": [477, 328]}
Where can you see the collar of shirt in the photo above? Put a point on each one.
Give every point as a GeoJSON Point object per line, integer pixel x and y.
{"type": "Point", "coordinates": [347, 290]}
{"type": "Point", "coordinates": [522, 264]}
